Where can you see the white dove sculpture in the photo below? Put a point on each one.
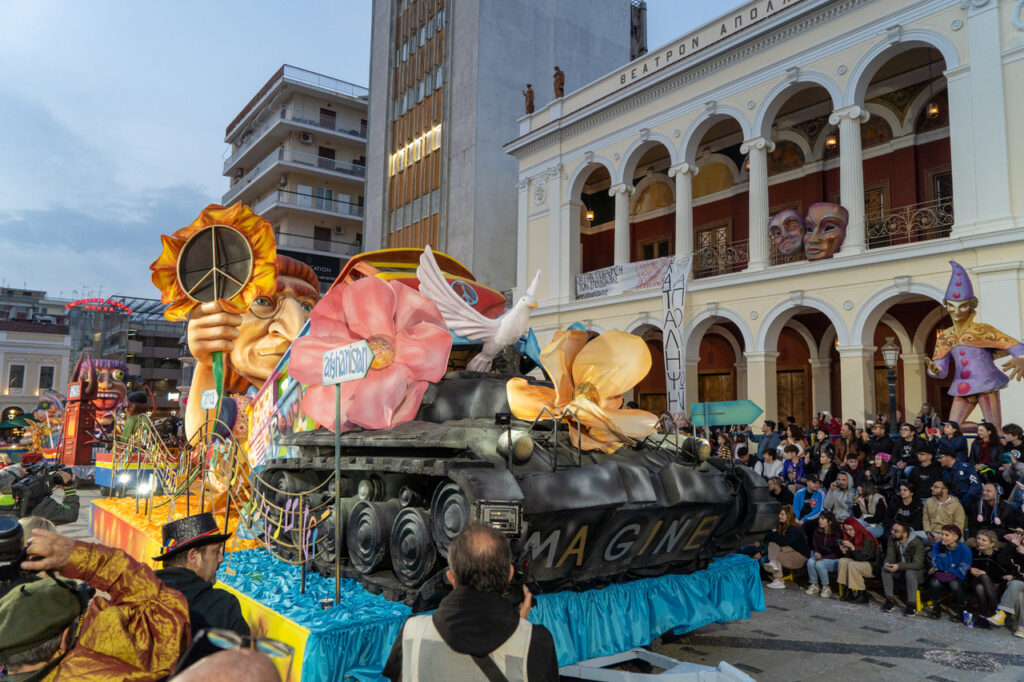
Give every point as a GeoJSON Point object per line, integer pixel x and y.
{"type": "Point", "coordinates": [465, 321]}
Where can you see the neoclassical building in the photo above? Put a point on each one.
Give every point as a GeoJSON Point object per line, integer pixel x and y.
{"type": "Point", "coordinates": [908, 113]}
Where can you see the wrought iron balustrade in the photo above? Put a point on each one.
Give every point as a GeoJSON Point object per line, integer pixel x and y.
{"type": "Point", "coordinates": [720, 259]}
{"type": "Point", "coordinates": [909, 224]}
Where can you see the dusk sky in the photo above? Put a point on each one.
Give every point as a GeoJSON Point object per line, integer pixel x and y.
{"type": "Point", "coordinates": [112, 117]}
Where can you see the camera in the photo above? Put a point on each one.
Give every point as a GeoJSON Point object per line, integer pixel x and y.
{"type": "Point", "coordinates": [39, 481]}
{"type": "Point", "coordinates": [12, 553]}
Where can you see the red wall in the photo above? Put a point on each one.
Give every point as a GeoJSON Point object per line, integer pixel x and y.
{"type": "Point", "coordinates": [598, 250]}
{"type": "Point", "coordinates": [661, 227]}
{"type": "Point", "coordinates": [734, 207]}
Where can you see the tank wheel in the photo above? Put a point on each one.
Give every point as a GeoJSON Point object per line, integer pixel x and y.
{"type": "Point", "coordinates": [412, 551]}
{"type": "Point", "coordinates": [449, 514]}
{"type": "Point", "coordinates": [367, 534]}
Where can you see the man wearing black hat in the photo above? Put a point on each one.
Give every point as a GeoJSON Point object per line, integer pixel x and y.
{"type": "Point", "coordinates": [193, 550]}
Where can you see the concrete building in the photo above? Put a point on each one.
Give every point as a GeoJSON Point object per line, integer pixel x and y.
{"type": "Point", "coordinates": [909, 113]}
{"type": "Point", "coordinates": [35, 349]}
{"type": "Point", "coordinates": [297, 157]}
{"type": "Point", "coordinates": [446, 83]}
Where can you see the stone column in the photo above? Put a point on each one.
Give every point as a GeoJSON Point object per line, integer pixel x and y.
{"type": "Point", "coordinates": [821, 385]}
{"type": "Point", "coordinates": [856, 378]}
{"type": "Point", "coordinates": [692, 380]}
{"type": "Point", "coordinates": [762, 383]}
{"type": "Point", "coordinates": [570, 264]}
{"type": "Point", "coordinates": [1000, 305]}
{"type": "Point", "coordinates": [522, 235]}
{"type": "Point", "coordinates": [915, 386]}
{"type": "Point", "coordinates": [621, 192]}
{"type": "Point", "coordinates": [683, 173]}
{"type": "Point", "coordinates": [741, 379]}
{"type": "Point", "coordinates": [757, 201]}
{"type": "Point", "coordinates": [961, 151]}
{"type": "Point", "coordinates": [851, 174]}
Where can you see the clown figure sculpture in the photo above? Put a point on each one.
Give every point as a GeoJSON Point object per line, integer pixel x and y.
{"type": "Point", "coordinates": [969, 349]}
{"type": "Point", "coordinates": [786, 230]}
{"type": "Point", "coordinates": [826, 230]}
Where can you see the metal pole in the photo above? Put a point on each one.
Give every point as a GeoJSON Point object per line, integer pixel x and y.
{"type": "Point", "coordinates": [337, 493]}
{"type": "Point", "coordinates": [302, 548]}
{"type": "Point", "coordinates": [890, 377]}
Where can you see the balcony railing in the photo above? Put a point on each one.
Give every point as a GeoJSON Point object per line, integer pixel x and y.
{"type": "Point", "coordinates": [720, 259]}
{"type": "Point", "coordinates": [296, 114]}
{"type": "Point", "coordinates": [283, 196]}
{"type": "Point", "coordinates": [282, 155]}
{"type": "Point", "coordinates": [298, 241]}
{"type": "Point", "coordinates": [910, 224]}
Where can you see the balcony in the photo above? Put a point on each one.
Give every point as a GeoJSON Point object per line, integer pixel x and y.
{"type": "Point", "coordinates": [720, 259]}
{"type": "Point", "coordinates": [298, 241]}
{"type": "Point", "coordinates": [287, 199]}
{"type": "Point", "coordinates": [301, 118]}
{"type": "Point", "coordinates": [297, 160]}
{"type": "Point", "coordinates": [910, 224]}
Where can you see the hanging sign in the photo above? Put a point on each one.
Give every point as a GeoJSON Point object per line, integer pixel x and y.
{"type": "Point", "coordinates": [347, 363]}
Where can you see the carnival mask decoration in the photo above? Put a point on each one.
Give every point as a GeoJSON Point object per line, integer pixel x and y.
{"type": "Point", "coordinates": [111, 391]}
{"type": "Point", "coordinates": [826, 230]}
{"type": "Point", "coordinates": [786, 229]}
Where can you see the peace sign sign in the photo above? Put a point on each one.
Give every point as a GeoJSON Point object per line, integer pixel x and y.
{"type": "Point", "coordinates": [215, 263]}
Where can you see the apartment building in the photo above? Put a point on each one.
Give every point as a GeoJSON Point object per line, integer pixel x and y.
{"type": "Point", "coordinates": [35, 345]}
{"type": "Point", "coordinates": [297, 157]}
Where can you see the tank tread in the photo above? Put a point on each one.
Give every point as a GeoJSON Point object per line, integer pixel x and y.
{"type": "Point", "coordinates": [391, 464]}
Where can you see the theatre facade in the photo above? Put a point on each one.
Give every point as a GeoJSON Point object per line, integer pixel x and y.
{"type": "Point", "coordinates": [909, 114]}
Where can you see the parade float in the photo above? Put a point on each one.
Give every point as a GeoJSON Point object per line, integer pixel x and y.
{"type": "Point", "coordinates": [346, 440]}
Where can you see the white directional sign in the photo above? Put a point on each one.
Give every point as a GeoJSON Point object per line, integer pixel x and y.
{"type": "Point", "coordinates": [347, 363]}
{"type": "Point", "coordinates": [208, 399]}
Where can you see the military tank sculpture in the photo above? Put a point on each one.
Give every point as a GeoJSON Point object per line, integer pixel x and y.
{"type": "Point", "coordinates": [576, 518]}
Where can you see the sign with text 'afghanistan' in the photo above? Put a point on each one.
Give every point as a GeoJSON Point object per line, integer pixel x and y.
{"type": "Point", "coordinates": [346, 363]}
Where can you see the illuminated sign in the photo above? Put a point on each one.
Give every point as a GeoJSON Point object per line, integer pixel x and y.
{"type": "Point", "coordinates": [105, 305]}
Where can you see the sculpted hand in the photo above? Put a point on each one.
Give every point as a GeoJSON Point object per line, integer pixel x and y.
{"type": "Point", "coordinates": [1014, 368]}
{"type": "Point", "coordinates": [212, 329]}
{"type": "Point", "coordinates": [48, 551]}
{"type": "Point", "coordinates": [932, 367]}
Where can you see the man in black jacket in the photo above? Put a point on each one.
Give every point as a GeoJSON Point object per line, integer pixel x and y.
{"type": "Point", "coordinates": [880, 441]}
{"type": "Point", "coordinates": [476, 633]}
{"type": "Point", "coordinates": [924, 474]}
{"type": "Point", "coordinates": [193, 550]}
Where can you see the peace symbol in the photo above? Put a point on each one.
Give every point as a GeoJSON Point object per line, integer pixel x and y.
{"type": "Point", "coordinates": [216, 262]}
{"type": "Point", "coordinates": [465, 292]}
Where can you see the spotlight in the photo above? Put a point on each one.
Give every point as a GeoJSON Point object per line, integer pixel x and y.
{"type": "Point", "coordinates": [831, 141]}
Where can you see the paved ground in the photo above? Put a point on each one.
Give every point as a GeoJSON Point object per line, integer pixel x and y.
{"type": "Point", "coordinates": [809, 638]}
{"type": "Point", "coordinates": [82, 529]}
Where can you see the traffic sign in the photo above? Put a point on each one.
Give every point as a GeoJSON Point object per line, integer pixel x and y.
{"type": "Point", "coordinates": [347, 363]}
{"type": "Point", "coordinates": [724, 413]}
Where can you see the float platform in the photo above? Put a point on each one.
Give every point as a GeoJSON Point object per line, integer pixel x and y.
{"type": "Point", "coordinates": [354, 638]}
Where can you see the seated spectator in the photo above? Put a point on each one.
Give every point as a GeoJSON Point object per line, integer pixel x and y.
{"type": "Point", "coordinates": [1012, 466]}
{"type": "Point", "coordinates": [880, 441]}
{"type": "Point", "coordinates": [475, 621]}
{"type": "Point", "coordinates": [961, 478]}
{"type": "Point", "coordinates": [952, 442]}
{"type": "Point", "coordinates": [924, 474]}
{"type": "Point", "coordinates": [859, 555]}
{"type": "Point", "coordinates": [828, 471]}
{"type": "Point", "coordinates": [808, 503]}
{"type": "Point", "coordinates": [772, 464]}
{"type": "Point", "coordinates": [905, 449]}
{"type": "Point", "coordinates": [793, 467]}
{"type": "Point", "coordinates": [929, 417]}
{"type": "Point", "coordinates": [882, 474]}
{"type": "Point", "coordinates": [824, 557]}
{"type": "Point", "coordinates": [778, 490]}
{"type": "Point", "coordinates": [49, 630]}
{"type": "Point", "coordinates": [1012, 601]}
{"type": "Point", "coordinates": [787, 548]}
{"type": "Point", "coordinates": [904, 557]}
{"type": "Point", "coordinates": [908, 509]}
{"type": "Point", "coordinates": [795, 435]}
{"type": "Point", "coordinates": [992, 514]}
{"type": "Point", "coordinates": [723, 448]}
{"type": "Point", "coordinates": [839, 499]}
{"type": "Point", "coordinates": [822, 445]}
{"type": "Point", "coordinates": [229, 666]}
{"type": "Point", "coordinates": [847, 446]}
{"type": "Point", "coordinates": [986, 448]}
{"type": "Point", "coordinates": [940, 510]}
{"type": "Point", "coordinates": [854, 468]}
{"type": "Point", "coordinates": [950, 561]}
{"type": "Point", "coordinates": [987, 574]}
{"type": "Point", "coordinates": [870, 509]}
{"type": "Point", "coordinates": [30, 523]}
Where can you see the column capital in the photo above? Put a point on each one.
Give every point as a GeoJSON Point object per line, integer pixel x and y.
{"type": "Point", "coordinates": [682, 168]}
{"type": "Point", "coordinates": [761, 355]}
{"type": "Point", "coordinates": [621, 188]}
{"type": "Point", "coordinates": [819, 363]}
{"type": "Point", "coordinates": [856, 351]}
{"type": "Point", "coordinates": [915, 358]}
{"type": "Point", "coordinates": [757, 143]}
{"type": "Point", "coordinates": [523, 185]}
{"type": "Point", "coordinates": [854, 112]}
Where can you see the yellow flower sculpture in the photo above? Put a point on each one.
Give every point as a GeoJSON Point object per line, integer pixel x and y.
{"type": "Point", "coordinates": [262, 276]}
{"type": "Point", "coordinates": [589, 378]}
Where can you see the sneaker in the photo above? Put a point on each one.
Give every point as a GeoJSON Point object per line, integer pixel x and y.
{"type": "Point", "coordinates": [1019, 632]}
{"type": "Point", "coordinates": [998, 620]}
{"type": "Point", "coordinates": [812, 590]}
{"type": "Point", "coordinates": [910, 610]}
{"type": "Point", "coordinates": [826, 592]}
{"type": "Point", "coordinates": [935, 613]}
{"type": "Point", "coordinates": [772, 566]}
{"type": "Point", "coordinates": [861, 597]}
{"type": "Point", "coordinates": [776, 585]}
{"type": "Point", "coordinates": [889, 605]}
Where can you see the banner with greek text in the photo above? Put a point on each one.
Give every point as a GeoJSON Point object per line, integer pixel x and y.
{"type": "Point", "coordinates": [621, 279]}
{"type": "Point", "coordinates": [673, 291]}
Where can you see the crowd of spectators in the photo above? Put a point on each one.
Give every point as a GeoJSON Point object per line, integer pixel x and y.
{"type": "Point", "coordinates": [922, 514]}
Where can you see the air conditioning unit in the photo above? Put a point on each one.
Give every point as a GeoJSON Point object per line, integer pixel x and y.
{"type": "Point", "coordinates": [306, 138]}
{"type": "Point", "coordinates": [339, 230]}
{"type": "Point", "coordinates": [239, 172]}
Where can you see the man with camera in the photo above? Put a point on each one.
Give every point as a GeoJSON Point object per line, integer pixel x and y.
{"type": "Point", "coordinates": [29, 492]}
{"type": "Point", "coordinates": [49, 628]}
{"type": "Point", "coordinates": [476, 633]}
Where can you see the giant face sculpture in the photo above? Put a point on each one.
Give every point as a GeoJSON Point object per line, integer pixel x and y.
{"type": "Point", "coordinates": [826, 230]}
{"type": "Point", "coordinates": [786, 229]}
{"type": "Point", "coordinates": [111, 391]}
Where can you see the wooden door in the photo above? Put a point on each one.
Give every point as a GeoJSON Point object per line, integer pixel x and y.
{"type": "Point", "coordinates": [715, 387]}
{"type": "Point", "coordinates": [653, 402]}
{"type": "Point", "coordinates": [793, 395]}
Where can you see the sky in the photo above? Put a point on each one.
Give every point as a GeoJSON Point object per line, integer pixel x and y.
{"type": "Point", "coordinates": [112, 118]}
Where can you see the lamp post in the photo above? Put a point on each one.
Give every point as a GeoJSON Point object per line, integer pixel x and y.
{"type": "Point", "coordinates": [891, 355]}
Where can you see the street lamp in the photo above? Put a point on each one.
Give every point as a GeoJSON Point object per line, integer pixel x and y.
{"type": "Point", "coordinates": [891, 355]}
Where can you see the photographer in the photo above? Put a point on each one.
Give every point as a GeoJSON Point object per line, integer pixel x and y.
{"type": "Point", "coordinates": [29, 493]}
{"type": "Point", "coordinates": [49, 629]}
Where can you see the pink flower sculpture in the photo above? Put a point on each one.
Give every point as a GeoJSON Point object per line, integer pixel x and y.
{"type": "Point", "coordinates": [409, 340]}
